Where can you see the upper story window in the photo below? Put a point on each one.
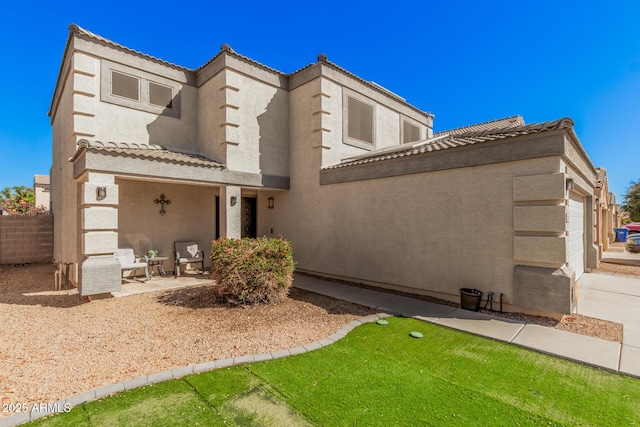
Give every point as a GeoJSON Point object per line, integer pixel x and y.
{"type": "Point", "coordinates": [160, 95]}
{"type": "Point", "coordinates": [125, 86]}
{"type": "Point", "coordinates": [133, 88]}
{"type": "Point", "coordinates": [359, 121]}
{"type": "Point", "coordinates": [410, 132]}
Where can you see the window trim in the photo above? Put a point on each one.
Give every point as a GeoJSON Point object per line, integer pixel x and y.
{"type": "Point", "coordinates": [346, 139]}
{"type": "Point", "coordinates": [144, 78]}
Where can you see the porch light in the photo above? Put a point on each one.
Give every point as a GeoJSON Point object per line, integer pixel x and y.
{"type": "Point", "coordinates": [233, 200]}
{"type": "Point", "coordinates": [101, 193]}
{"type": "Point", "coordinates": [271, 203]}
{"type": "Point", "coordinates": [162, 200]}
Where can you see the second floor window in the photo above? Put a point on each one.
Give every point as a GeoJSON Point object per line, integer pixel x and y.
{"type": "Point", "coordinates": [125, 86]}
{"type": "Point", "coordinates": [360, 120]}
{"type": "Point", "coordinates": [160, 95]}
{"type": "Point", "coordinates": [410, 132]}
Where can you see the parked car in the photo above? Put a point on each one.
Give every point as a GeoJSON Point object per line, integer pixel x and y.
{"type": "Point", "coordinates": [634, 227]}
{"type": "Point", "coordinates": [633, 243]}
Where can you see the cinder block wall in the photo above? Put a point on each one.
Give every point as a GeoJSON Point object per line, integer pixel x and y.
{"type": "Point", "coordinates": [26, 239]}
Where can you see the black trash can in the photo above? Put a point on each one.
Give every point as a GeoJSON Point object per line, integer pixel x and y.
{"type": "Point", "coordinates": [470, 299]}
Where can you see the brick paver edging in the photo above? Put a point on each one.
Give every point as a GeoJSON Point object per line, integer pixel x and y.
{"type": "Point", "coordinates": [89, 396]}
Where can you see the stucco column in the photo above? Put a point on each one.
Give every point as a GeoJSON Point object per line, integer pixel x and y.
{"type": "Point", "coordinates": [230, 212]}
{"type": "Point", "coordinates": [98, 223]}
{"type": "Point", "coordinates": [541, 278]}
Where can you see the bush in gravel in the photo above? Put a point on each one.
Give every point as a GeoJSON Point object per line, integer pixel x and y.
{"type": "Point", "coordinates": [250, 271]}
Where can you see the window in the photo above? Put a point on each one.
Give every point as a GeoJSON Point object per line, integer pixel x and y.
{"type": "Point", "coordinates": [359, 120]}
{"type": "Point", "coordinates": [410, 132]}
{"type": "Point", "coordinates": [140, 90]}
{"type": "Point", "coordinates": [125, 86]}
{"type": "Point", "coordinates": [160, 95]}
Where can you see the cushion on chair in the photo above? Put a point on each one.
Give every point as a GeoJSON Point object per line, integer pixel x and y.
{"type": "Point", "coordinates": [127, 259]}
{"type": "Point", "coordinates": [188, 252]}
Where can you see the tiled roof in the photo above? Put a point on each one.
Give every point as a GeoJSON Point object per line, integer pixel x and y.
{"type": "Point", "coordinates": [601, 177]}
{"type": "Point", "coordinates": [226, 48]}
{"type": "Point", "coordinates": [147, 152]}
{"type": "Point", "coordinates": [506, 122]}
{"type": "Point", "coordinates": [73, 28]}
{"type": "Point", "coordinates": [445, 142]}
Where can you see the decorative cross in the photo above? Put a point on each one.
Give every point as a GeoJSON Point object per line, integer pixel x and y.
{"type": "Point", "coordinates": [162, 201]}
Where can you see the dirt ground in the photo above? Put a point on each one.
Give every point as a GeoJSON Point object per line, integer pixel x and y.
{"type": "Point", "coordinates": [54, 345]}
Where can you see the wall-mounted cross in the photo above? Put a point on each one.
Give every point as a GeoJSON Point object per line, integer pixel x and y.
{"type": "Point", "coordinates": [162, 201]}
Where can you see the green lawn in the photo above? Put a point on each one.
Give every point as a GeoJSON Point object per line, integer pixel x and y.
{"type": "Point", "coordinates": [379, 375]}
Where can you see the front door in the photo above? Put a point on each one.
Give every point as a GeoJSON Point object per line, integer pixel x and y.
{"type": "Point", "coordinates": [249, 223]}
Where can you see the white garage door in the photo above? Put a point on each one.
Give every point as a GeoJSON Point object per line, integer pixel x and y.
{"type": "Point", "coordinates": [575, 241]}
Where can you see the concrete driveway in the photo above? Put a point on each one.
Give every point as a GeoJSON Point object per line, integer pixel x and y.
{"type": "Point", "coordinates": [614, 298]}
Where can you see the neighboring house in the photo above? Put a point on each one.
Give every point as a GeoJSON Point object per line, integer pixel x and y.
{"type": "Point", "coordinates": [348, 171]}
{"type": "Point", "coordinates": [616, 213]}
{"type": "Point", "coordinates": [42, 191]}
{"type": "Point", "coordinates": [607, 215]}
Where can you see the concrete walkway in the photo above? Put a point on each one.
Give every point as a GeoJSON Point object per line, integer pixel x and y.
{"type": "Point", "coordinates": [609, 355]}
{"type": "Point", "coordinates": [608, 297]}
{"type": "Point", "coordinates": [615, 298]}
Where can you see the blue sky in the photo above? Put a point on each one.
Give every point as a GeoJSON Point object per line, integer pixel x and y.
{"type": "Point", "coordinates": [464, 61]}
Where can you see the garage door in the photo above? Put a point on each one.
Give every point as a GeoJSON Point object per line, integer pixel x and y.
{"type": "Point", "coordinates": [575, 240]}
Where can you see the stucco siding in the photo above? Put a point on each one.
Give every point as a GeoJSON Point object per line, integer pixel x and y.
{"type": "Point", "coordinates": [322, 105]}
{"type": "Point", "coordinates": [209, 106]}
{"type": "Point", "coordinates": [263, 125]}
{"type": "Point", "coordinates": [63, 186]}
{"type": "Point", "coordinates": [435, 232]}
{"type": "Point", "coordinates": [121, 124]}
{"type": "Point", "coordinates": [190, 216]}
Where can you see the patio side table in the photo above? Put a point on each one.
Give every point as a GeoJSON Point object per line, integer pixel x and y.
{"type": "Point", "coordinates": [157, 263]}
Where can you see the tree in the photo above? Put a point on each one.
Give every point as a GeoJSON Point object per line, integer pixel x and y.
{"type": "Point", "coordinates": [19, 200]}
{"type": "Point", "coordinates": [631, 203]}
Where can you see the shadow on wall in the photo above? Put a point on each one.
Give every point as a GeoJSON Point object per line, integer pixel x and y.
{"type": "Point", "coordinates": [153, 213]}
{"type": "Point", "coordinates": [273, 141]}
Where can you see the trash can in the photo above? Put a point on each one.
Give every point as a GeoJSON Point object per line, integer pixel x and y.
{"type": "Point", "coordinates": [470, 299]}
{"type": "Point", "coordinates": [621, 234]}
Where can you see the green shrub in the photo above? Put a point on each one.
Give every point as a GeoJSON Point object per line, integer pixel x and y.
{"type": "Point", "coordinates": [252, 271]}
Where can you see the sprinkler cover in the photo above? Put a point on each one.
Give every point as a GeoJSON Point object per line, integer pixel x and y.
{"type": "Point", "coordinates": [415, 334]}
{"type": "Point", "coordinates": [382, 322]}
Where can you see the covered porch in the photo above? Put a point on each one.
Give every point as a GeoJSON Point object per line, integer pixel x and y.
{"type": "Point", "coordinates": [149, 198]}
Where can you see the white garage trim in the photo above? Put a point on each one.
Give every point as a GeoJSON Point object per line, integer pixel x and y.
{"type": "Point", "coordinates": [575, 234]}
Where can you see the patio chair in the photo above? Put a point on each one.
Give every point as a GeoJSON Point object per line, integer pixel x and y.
{"type": "Point", "coordinates": [129, 261]}
{"type": "Point", "coordinates": [187, 252]}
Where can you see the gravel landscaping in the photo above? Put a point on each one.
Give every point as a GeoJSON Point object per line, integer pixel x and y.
{"type": "Point", "coordinates": [55, 345]}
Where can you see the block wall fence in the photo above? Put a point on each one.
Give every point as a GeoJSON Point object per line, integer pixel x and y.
{"type": "Point", "coordinates": [26, 239]}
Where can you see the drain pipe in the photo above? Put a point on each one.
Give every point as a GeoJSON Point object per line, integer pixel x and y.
{"type": "Point", "coordinates": [501, 295]}
{"type": "Point", "coordinates": [489, 301]}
